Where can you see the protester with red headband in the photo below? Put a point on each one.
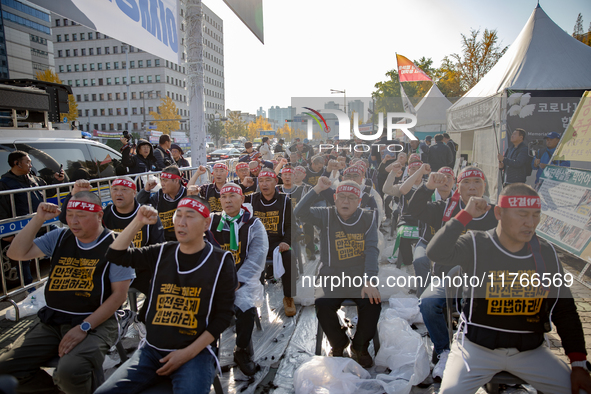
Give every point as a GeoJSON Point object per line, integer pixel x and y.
{"type": "Point", "coordinates": [348, 246]}
{"type": "Point", "coordinates": [190, 304]}
{"type": "Point", "coordinates": [166, 199]}
{"type": "Point", "coordinates": [243, 172]}
{"type": "Point", "coordinates": [235, 229]}
{"type": "Point", "coordinates": [83, 291]}
{"type": "Point", "coordinates": [470, 183]}
{"type": "Point", "coordinates": [274, 210]}
{"type": "Point", "coordinates": [315, 170]}
{"type": "Point", "coordinates": [503, 325]}
{"type": "Point", "coordinates": [211, 191]}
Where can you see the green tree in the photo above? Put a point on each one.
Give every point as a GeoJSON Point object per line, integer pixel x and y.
{"type": "Point", "coordinates": [167, 110]}
{"type": "Point", "coordinates": [49, 76]}
{"type": "Point", "coordinates": [235, 126]}
{"type": "Point", "coordinates": [448, 80]}
{"type": "Point", "coordinates": [216, 129]}
{"type": "Point", "coordinates": [478, 57]}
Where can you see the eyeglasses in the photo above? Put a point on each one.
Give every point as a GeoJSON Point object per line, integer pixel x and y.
{"type": "Point", "coordinates": [348, 196]}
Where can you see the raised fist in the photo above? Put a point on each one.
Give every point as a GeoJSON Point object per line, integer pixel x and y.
{"type": "Point", "coordinates": [48, 211]}
{"type": "Point", "coordinates": [323, 184]}
{"type": "Point", "coordinates": [396, 166]}
{"type": "Point", "coordinates": [150, 185]}
{"type": "Point", "coordinates": [201, 170]}
{"type": "Point", "coordinates": [248, 181]}
{"type": "Point", "coordinates": [81, 185]}
{"type": "Point", "coordinates": [477, 206]}
{"type": "Point", "coordinates": [436, 180]}
{"type": "Point", "coordinates": [426, 169]}
{"type": "Point", "coordinates": [193, 190]}
{"type": "Point", "coordinates": [147, 215]}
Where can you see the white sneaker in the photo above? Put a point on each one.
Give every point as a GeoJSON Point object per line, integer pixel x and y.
{"type": "Point", "coordinates": [440, 366]}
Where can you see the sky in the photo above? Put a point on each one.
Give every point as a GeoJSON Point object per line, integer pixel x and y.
{"type": "Point", "coordinates": [312, 46]}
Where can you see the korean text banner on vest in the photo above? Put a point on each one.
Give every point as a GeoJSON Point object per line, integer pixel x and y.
{"type": "Point", "coordinates": [151, 25]}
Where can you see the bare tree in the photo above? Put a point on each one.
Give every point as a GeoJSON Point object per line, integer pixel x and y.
{"type": "Point", "coordinates": [578, 30]}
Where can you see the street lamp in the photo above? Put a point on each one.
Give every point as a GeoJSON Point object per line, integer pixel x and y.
{"type": "Point", "coordinates": [144, 105]}
{"type": "Point", "coordinates": [333, 91]}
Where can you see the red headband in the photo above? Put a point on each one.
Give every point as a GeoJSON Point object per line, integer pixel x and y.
{"type": "Point", "coordinates": [123, 182]}
{"type": "Point", "coordinates": [414, 156]}
{"type": "Point", "coordinates": [241, 165]}
{"type": "Point", "coordinates": [231, 189]}
{"type": "Point", "coordinates": [446, 170]}
{"type": "Point", "coordinates": [194, 204]}
{"type": "Point", "coordinates": [301, 169]}
{"type": "Point", "coordinates": [520, 202]}
{"type": "Point", "coordinates": [269, 174]}
{"type": "Point", "coordinates": [470, 174]}
{"type": "Point", "coordinates": [220, 165]}
{"type": "Point", "coordinates": [415, 164]}
{"type": "Point", "coordinates": [349, 189]}
{"type": "Point", "coordinates": [353, 169]}
{"type": "Point", "coordinates": [287, 170]}
{"type": "Point", "coordinates": [168, 175]}
{"type": "Point", "coordinates": [84, 206]}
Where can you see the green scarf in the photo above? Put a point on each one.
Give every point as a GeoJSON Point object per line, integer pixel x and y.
{"type": "Point", "coordinates": [233, 228]}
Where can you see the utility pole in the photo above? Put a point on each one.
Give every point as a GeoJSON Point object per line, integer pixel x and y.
{"type": "Point", "coordinates": [127, 84]}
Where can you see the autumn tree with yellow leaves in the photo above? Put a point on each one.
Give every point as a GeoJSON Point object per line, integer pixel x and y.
{"type": "Point", "coordinates": [49, 76]}
{"type": "Point", "coordinates": [254, 128]}
{"type": "Point", "coordinates": [167, 110]}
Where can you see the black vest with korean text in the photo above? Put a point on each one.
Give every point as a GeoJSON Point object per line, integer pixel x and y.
{"type": "Point", "coordinates": [114, 221]}
{"type": "Point", "coordinates": [247, 191]}
{"type": "Point", "coordinates": [180, 301]}
{"type": "Point", "coordinates": [312, 176]}
{"type": "Point", "coordinates": [508, 305]}
{"type": "Point", "coordinates": [223, 238]}
{"type": "Point", "coordinates": [296, 193]}
{"type": "Point", "coordinates": [79, 277]}
{"type": "Point", "coordinates": [166, 209]}
{"type": "Point", "coordinates": [347, 241]}
{"type": "Point", "coordinates": [272, 214]}
{"type": "Point", "coordinates": [211, 194]}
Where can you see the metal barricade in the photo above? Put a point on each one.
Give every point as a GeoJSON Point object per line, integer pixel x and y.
{"type": "Point", "coordinates": [11, 270]}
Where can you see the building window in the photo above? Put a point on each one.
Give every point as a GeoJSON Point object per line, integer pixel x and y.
{"type": "Point", "coordinates": [119, 127]}
{"type": "Point", "coordinates": [101, 97]}
{"type": "Point", "coordinates": [124, 80]}
{"type": "Point", "coordinates": [67, 53]}
{"type": "Point", "coordinates": [141, 79]}
{"type": "Point", "coordinates": [115, 49]}
{"type": "Point", "coordinates": [149, 79]}
{"type": "Point", "coordinates": [85, 97]}
{"type": "Point", "coordinates": [76, 67]}
{"type": "Point", "coordinates": [75, 52]}
{"type": "Point", "coordinates": [108, 65]}
{"type": "Point", "coordinates": [148, 63]}
{"type": "Point", "coordinates": [70, 82]}
{"type": "Point", "coordinates": [156, 62]}
{"type": "Point", "coordinates": [90, 50]}
{"type": "Point", "coordinates": [116, 65]}
{"type": "Point", "coordinates": [78, 83]}
{"type": "Point", "coordinates": [167, 79]}
{"type": "Point", "coordinates": [57, 22]}
{"type": "Point", "coordinates": [87, 112]}
{"type": "Point", "coordinates": [66, 37]}
{"type": "Point", "coordinates": [133, 95]}
{"type": "Point", "coordinates": [111, 127]}
{"type": "Point", "coordinates": [84, 67]}
{"type": "Point", "coordinates": [124, 109]}
{"type": "Point", "coordinates": [135, 126]}
{"type": "Point", "coordinates": [61, 68]}
{"type": "Point", "coordinates": [103, 128]}
{"type": "Point", "coordinates": [134, 111]}
{"type": "Point", "coordinates": [83, 52]}
{"type": "Point", "coordinates": [99, 66]}
{"type": "Point", "coordinates": [59, 38]}
{"type": "Point", "coordinates": [90, 36]}
{"type": "Point", "coordinates": [158, 94]}
{"type": "Point", "coordinates": [110, 96]}
{"type": "Point", "coordinates": [110, 111]}
{"type": "Point", "coordinates": [74, 37]}
{"type": "Point", "coordinates": [140, 63]}
{"type": "Point", "coordinates": [98, 50]}
{"type": "Point", "coordinates": [94, 97]}
{"type": "Point", "coordinates": [100, 82]}
{"type": "Point", "coordinates": [131, 64]}
{"type": "Point", "coordinates": [118, 111]}
{"type": "Point", "coordinates": [82, 35]}
{"type": "Point", "coordinates": [157, 78]}
{"type": "Point", "coordinates": [92, 82]}
{"type": "Point", "coordinates": [85, 82]}
{"type": "Point", "coordinates": [117, 96]}
{"type": "Point", "coordinates": [98, 35]}
{"type": "Point", "coordinates": [102, 112]}
{"type": "Point", "coordinates": [107, 50]}
{"type": "Point", "coordinates": [109, 82]}
{"type": "Point", "coordinates": [117, 82]}
{"type": "Point", "coordinates": [132, 80]}
{"type": "Point", "coordinates": [123, 65]}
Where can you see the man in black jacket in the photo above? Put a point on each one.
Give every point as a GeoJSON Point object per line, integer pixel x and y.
{"type": "Point", "coordinates": [452, 147]}
{"type": "Point", "coordinates": [504, 321]}
{"type": "Point", "coordinates": [439, 154]}
{"type": "Point", "coordinates": [142, 161]}
{"type": "Point", "coordinates": [516, 161]}
{"type": "Point", "coordinates": [162, 152]}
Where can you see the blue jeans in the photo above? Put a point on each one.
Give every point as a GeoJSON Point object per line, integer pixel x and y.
{"type": "Point", "coordinates": [422, 266]}
{"type": "Point", "coordinates": [431, 304]}
{"type": "Point", "coordinates": [139, 372]}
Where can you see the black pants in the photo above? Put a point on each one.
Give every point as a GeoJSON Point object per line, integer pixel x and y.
{"type": "Point", "coordinates": [368, 316]}
{"type": "Point", "coordinates": [244, 326]}
{"type": "Point", "coordinates": [309, 236]}
{"type": "Point", "coordinates": [289, 277]}
{"type": "Point", "coordinates": [387, 208]}
{"type": "Point", "coordinates": [405, 251]}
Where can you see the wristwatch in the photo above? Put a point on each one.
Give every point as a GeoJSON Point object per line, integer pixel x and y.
{"type": "Point", "coordinates": [583, 364]}
{"type": "Point", "coordinates": [85, 326]}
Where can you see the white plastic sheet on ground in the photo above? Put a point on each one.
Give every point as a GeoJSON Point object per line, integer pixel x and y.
{"type": "Point", "coordinates": [405, 306]}
{"type": "Point", "coordinates": [28, 307]}
{"type": "Point", "coordinates": [330, 375]}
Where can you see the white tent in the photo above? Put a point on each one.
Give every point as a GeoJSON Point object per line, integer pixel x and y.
{"type": "Point", "coordinates": [543, 68]}
{"type": "Point", "coordinates": [431, 112]}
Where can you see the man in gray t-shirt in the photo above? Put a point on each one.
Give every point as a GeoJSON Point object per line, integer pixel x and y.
{"type": "Point", "coordinates": [83, 292]}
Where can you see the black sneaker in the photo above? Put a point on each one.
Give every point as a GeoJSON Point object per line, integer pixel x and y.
{"type": "Point", "coordinates": [125, 318]}
{"type": "Point", "coordinates": [244, 361]}
{"type": "Point", "coordinates": [338, 351]}
{"type": "Point", "coordinates": [362, 357]}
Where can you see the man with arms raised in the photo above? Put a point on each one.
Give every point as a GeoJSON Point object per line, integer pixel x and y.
{"type": "Point", "coordinates": [83, 292]}
{"type": "Point", "coordinates": [348, 246]}
{"type": "Point", "coordinates": [471, 183]}
{"type": "Point", "coordinates": [166, 199]}
{"type": "Point", "coordinates": [235, 229]}
{"type": "Point", "coordinates": [243, 171]}
{"type": "Point", "coordinates": [274, 210]}
{"type": "Point", "coordinates": [190, 304]}
{"type": "Point", "coordinates": [504, 321]}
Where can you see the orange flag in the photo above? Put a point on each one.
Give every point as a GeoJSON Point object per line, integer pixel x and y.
{"type": "Point", "coordinates": [408, 72]}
